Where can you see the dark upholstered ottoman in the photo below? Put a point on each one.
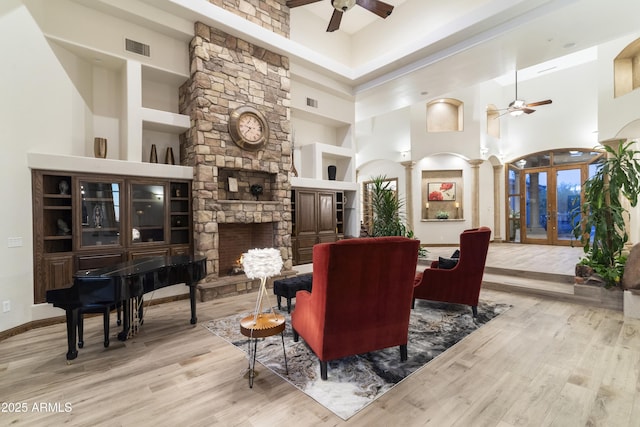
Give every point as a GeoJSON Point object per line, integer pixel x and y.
{"type": "Point", "coordinates": [288, 287]}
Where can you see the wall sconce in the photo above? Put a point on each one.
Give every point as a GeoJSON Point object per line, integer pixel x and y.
{"type": "Point", "coordinates": [404, 155]}
{"type": "Point", "coordinates": [484, 151]}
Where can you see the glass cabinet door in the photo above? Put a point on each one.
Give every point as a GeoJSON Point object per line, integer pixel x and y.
{"type": "Point", "coordinates": [147, 213]}
{"type": "Point", "coordinates": [100, 213]}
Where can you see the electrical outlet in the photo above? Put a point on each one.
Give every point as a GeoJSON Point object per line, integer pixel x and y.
{"type": "Point", "coordinates": [6, 306]}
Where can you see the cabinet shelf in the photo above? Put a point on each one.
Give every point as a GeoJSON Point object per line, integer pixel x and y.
{"type": "Point", "coordinates": [98, 199]}
{"type": "Point", "coordinates": [99, 229]}
{"type": "Point", "coordinates": [69, 237]}
{"type": "Point", "coordinates": [56, 208]}
{"type": "Point", "coordinates": [56, 196]}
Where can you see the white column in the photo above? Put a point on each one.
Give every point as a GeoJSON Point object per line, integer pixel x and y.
{"type": "Point", "coordinates": [408, 176]}
{"type": "Point", "coordinates": [497, 179]}
{"type": "Point", "coordinates": [475, 195]}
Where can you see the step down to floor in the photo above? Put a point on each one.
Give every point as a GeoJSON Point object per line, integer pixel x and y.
{"type": "Point", "coordinates": [553, 286]}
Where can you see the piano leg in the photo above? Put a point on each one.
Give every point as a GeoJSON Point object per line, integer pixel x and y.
{"type": "Point", "coordinates": [126, 307]}
{"type": "Point", "coordinates": [72, 324]}
{"type": "Point", "coordinates": [192, 300]}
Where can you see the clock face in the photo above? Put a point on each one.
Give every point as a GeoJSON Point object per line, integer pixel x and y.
{"type": "Point", "coordinates": [248, 128]}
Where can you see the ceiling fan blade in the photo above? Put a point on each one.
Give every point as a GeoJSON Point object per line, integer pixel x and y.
{"type": "Point", "coordinates": [535, 104]}
{"type": "Point", "coordinates": [378, 7]}
{"type": "Point", "coordinates": [296, 3]}
{"type": "Point", "coordinates": [527, 110]}
{"type": "Point", "coordinates": [334, 23]}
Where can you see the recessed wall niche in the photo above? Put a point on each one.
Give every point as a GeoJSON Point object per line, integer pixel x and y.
{"type": "Point", "coordinates": [442, 194]}
{"type": "Point", "coordinates": [626, 69]}
{"type": "Point", "coordinates": [445, 115]}
{"type": "Point", "coordinates": [493, 121]}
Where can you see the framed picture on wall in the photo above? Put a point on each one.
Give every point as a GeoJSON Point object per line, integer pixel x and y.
{"type": "Point", "coordinates": [441, 191]}
{"type": "Point", "coordinates": [233, 185]}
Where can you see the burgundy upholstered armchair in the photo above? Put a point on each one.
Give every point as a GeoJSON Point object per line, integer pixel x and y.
{"type": "Point", "coordinates": [460, 284]}
{"type": "Point", "coordinates": [361, 298]}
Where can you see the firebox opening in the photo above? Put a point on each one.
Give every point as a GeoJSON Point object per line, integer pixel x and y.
{"type": "Point", "coordinates": [236, 239]}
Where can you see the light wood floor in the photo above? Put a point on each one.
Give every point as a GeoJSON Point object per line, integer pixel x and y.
{"type": "Point", "coordinates": [541, 363]}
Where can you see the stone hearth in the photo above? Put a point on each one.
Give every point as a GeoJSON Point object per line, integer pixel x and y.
{"type": "Point", "coordinates": [226, 73]}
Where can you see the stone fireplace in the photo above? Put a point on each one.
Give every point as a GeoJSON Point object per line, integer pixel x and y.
{"type": "Point", "coordinates": [226, 73]}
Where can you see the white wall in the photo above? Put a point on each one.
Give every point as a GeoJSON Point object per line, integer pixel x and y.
{"type": "Point", "coordinates": [46, 113]}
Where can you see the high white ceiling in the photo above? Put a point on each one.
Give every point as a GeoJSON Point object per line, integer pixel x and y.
{"type": "Point", "coordinates": [426, 48]}
{"type": "Point", "coordinates": [474, 41]}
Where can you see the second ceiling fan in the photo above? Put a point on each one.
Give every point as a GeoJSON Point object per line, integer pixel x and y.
{"type": "Point", "coordinates": [518, 106]}
{"type": "Point", "coordinates": [378, 7]}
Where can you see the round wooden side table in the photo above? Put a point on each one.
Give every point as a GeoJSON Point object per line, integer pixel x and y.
{"type": "Point", "coordinates": [265, 325]}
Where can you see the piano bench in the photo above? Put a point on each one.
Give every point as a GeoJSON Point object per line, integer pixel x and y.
{"type": "Point", "coordinates": [105, 309]}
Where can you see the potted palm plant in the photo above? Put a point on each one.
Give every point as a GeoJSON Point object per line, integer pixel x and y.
{"type": "Point", "coordinates": [601, 230]}
{"type": "Point", "coordinates": [387, 209]}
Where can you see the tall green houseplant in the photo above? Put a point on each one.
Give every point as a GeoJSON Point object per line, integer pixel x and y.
{"type": "Point", "coordinates": [602, 231]}
{"type": "Point", "coordinates": [387, 209]}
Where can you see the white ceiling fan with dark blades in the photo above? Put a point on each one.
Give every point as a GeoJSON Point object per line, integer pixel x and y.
{"type": "Point", "coordinates": [378, 7]}
{"type": "Point", "coordinates": [518, 107]}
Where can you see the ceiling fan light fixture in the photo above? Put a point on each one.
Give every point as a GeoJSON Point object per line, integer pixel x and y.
{"type": "Point", "coordinates": [343, 5]}
{"type": "Point", "coordinates": [516, 113]}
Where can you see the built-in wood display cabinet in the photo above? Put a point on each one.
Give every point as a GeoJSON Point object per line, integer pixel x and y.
{"type": "Point", "coordinates": [317, 218]}
{"type": "Point", "coordinates": [84, 221]}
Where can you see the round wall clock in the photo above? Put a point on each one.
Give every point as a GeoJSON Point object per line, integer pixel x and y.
{"type": "Point", "coordinates": [248, 128]}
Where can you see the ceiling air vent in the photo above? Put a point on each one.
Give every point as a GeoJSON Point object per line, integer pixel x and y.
{"type": "Point", "coordinates": [137, 47]}
{"type": "Point", "coordinates": [312, 102]}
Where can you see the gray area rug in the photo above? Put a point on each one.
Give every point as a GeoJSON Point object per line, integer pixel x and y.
{"type": "Point", "coordinates": [356, 381]}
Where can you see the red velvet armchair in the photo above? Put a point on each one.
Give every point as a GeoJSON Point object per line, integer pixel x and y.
{"type": "Point", "coordinates": [361, 298]}
{"type": "Point", "coordinates": [460, 284]}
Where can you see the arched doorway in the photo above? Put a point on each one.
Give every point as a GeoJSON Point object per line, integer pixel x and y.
{"type": "Point", "coordinates": [544, 193]}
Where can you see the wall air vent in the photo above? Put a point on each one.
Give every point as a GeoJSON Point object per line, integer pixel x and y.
{"type": "Point", "coordinates": [137, 47]}
{"type": "Point", "coordinates": [312, 102]}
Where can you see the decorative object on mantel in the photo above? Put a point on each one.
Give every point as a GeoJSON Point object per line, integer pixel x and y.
{"type": "Point", "coordinates": [442, 215]}
{"type": "Point", "coordinates": [100, 147]}
{"type": "Point", "coordinates": [153, 158]}
{"type": "Point", "coordinates": [233, 185]}
{"type": "Point", "coordinates": [168, 157]}
{"type": "Point", "coordinates": [262, 264]}
{"type": "Point", "coordinates": [331, 172]}
{"type": "Point", "coordinates": [256, 190]}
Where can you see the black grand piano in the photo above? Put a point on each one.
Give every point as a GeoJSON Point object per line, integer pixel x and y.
{"type": "Point", "coordinates": [119, 284]}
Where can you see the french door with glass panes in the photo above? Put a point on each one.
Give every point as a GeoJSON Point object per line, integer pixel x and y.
{"type": "Point", "coordinates": [548, 210]}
